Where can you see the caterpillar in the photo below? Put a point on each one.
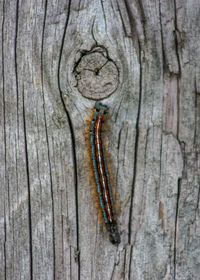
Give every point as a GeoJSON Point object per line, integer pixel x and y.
{"type": "Point", "coordinates": [101, 172]}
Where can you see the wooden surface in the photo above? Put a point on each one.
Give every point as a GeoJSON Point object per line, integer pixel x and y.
{"type": "Point", "coordinates": [49, 228]}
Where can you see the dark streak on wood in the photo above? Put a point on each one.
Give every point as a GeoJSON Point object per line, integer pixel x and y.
{"type": "Point", "coordinates": [72, 137]}
{"type": "Point", "coordinates": [122, 20]}
{"type": "Point", "coordinates": [104, 15]}
{"type": "Point", "coordinates": [162, 41]}
{"type": "Point", "coordinates": [176, 225]}
{"type": "Point", "coordinates": [29, 190]}
{"type": "Point", "coordinates": [136, 148]}
{"type": "Point", "coordinates": [47, 138]}
{"type": "Point", "coordinates": [16, 70]}
{"type": "Point", "coordinates": [130, 262]}
{"type": "Point", "coordinates": [4, 245]}
{"type": "Point", "coordinates": [176, 40]}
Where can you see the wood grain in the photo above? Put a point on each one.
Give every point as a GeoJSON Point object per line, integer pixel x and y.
{"type": "Point", "coordinates": [48, 225]}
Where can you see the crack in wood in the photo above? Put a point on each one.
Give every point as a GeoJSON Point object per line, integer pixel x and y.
{"type": "Point", "coordinates": [137, 26]}
{"type": "Point", "coordinates": [29, 189]}
{"type": "Point", "coordinates": [92, 32]}
{"type": "Point", "coordinates": [130, 261]}
{"type": "Point", "coordinates": [123, 22]}
{"type": "Point", "coordinates": [162, 40]}
{"type": "Point", "coordinates": [104, 15]}
{"type": "Point", "coordinates": [184, 176]}
{"type": "Point", "coordinates": [176, 40]}
{"type": "Point", "coordinates": [72, 136]}
{"type": "Point", "coordinates": [47, 139]}
{"type": "Point", "coordinates": [135, 147]}
{"type": "Point", "coordinates": [4, 244]}
{"type": "Point", "coordinates": [176, 224]}
{"type": "Point", "coordinates": [16, 69]}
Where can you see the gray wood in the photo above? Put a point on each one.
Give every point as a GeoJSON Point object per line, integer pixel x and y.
{"type": "Point", "coordinates": [49, 228]}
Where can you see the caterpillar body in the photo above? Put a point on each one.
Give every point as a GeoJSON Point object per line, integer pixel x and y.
{"type": "Point", "coordinates": [101, 172]}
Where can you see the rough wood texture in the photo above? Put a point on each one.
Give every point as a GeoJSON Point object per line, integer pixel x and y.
{"type": "Point", "coordinates": [48, 225]}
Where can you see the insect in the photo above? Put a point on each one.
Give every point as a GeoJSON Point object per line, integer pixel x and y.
{"type": "Point", "coordinates": [101, 172]}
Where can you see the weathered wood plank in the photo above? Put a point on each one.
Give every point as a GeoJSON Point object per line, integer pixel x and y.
{"type": "Point", "coordinates": [49, 228]}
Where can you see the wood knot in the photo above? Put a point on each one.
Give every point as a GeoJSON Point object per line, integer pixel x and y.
{"type": "Point", "coordinates": [96, 74]}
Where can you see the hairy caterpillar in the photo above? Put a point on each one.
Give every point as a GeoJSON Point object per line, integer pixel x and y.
{"type": "Point", "coordinates": [101, 173]}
